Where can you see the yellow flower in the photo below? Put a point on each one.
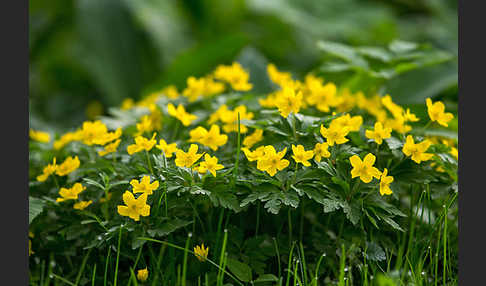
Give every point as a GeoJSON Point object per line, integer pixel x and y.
{"type": "Point", "coordinates": [108, 137]}
{"type": "Point", "coordinates": [144, 186]}
{"type": "Point", "coordinates": [82, 205]}
{"type": "Point", "coordinates": [379, 133]}
{"type": "Point", "coordinates": [215, 116]}
{"type": "Point", "coordinates": [142, 274]}
{"type": "Point", "coordinates": [352, 123]}
{"type": "Point", "coordinates": [40, 136]}
{"type": "Point", "coordinates": [272, 161]}
{"type": "Point", "coordinates": [234, 75]}
{"type": "Point", "coordinates": [364, 169]}
{"type": "Point", "coordinates": [437, 112]}
{"type": "Point", "coordinates": [230, 118]}
{"type": "Point", "coordinates": [417, 151]}
{"type": "Point", "coordinates": [210, 164]}
{"type": "Point", "coordinates": [255, 155]}
{"type": "Point", "coordinates": [47, 171]}
{"type": "Point", "coordinates": [204, 86]}
{"type": "Point", "coordinates": [71, 193]}
{"type": "Point", "coordinates": [168, 149]}
{"type": "Point", "coordinates": [270, 101]}
{"type": "Point", "coordinates": [68, 166]}
{"type": "Point", "coordinates": [110, 148]}
{"type": "Point", "coordinates": [397, 124]}
{"type": "Point", "coordinates": [127, 103]}
{"type": "Point", "coordinates": [395, 109]}
{"type": "Point", "coordinates": [171, 92]}
{"type": "Point", "coordinates": [181, 114]}
{"type": "Point", "coordinates": [134, 208]}
{"type": "Point", "coordinates": [142, 143]}
{"type": "Point", "coordinates": [213, 139]}
{"type": "Point", "coordinates": [253, 138]}
{"type": "Point", "coordinates": [201, 253]}
{"type": "Point", "coordinates": [145, 125]}
{"type": "Point", "coordinates": [302, 156]}
{"type": "Point", "coordinates": [67, 138]}
{"type": "Point", "coordinates": [93, 131]}
{"type": "Point", "coordinates": [289, 102]}
{"type": "Point", "coordinates": [276, 76]}
{"type": "Point", "coordinates": [187, 159]}
{"type": "Point", "coordinates": [385, 182]}
{"type": "Point", "coordinates": [321, 96]}
{"type": "Point", "coordinates": [335, 134]}
{"type": "Point", "coordinates": [320, 150]}
{"type": "Point", "coordinates": [410, 116]}
{"type": "Point", "coordinates": [454, 152]}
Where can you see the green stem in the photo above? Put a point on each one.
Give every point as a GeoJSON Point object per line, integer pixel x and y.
{"type": "Point", "coordinates": [55, 181]}
{"type": "Point", "coordinates": [117, 256]}
{"type": "Point", "coordinates": [149, 162]}
{"type": "Point", "coordinates": [290, 226]}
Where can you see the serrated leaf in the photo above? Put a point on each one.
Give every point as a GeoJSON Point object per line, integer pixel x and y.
{"type": "Point", "coordinates": [353, 212]}
{"type": "Point", "coordinates": [330, 205]}
{"type": "Point", "coordinates": [36, 206]}
{"type": "Point", "coordinates": [393, 143]}
{"type": "Point", "coordinates": [375, 252]}
{"type": "Point", "coordinates": [392, 223]}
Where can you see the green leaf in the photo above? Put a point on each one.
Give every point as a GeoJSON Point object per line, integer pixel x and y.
{"type": "Point", "coordinates": [344, 52]}
{"type": "Point", "coordinates": [266, 278]}
{"type": "Point", "coordinates": [241, 270]}
{"type": "Point", "coordinates": [331, 205]}
{"type": "Point", "coordinates": [36, 206]}
{"type": "Point", "coordinates": [375, 252]}
{"type": "Point", "coordinates": [168, 227]}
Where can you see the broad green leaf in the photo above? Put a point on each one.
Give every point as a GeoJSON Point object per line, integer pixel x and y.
{"type": "Point", "coordinates": [241, 270]}
{"type": "Point", "coordinates": [36, 206]}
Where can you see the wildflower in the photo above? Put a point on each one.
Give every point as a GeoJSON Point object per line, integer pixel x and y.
{"type": "Point", "coordinates": [335, 134]}
{"type": "Point", "coordinates": [181, 114]}
{"type": "Point", "coordinates": [277, 76]}
{"type": "Point", "coordinates": [40, 136]}
{"type": "Point", "coordinates": [289, 102]}
{"type": "Point", "coordinates": [270, 101]}
{"type": "Point", "coordinates": [234, 75]}
{"type": "Point", "coordinates": [352, 123]}
{"type": "Point", "coordinates": [417, 151]}
{"type": "Point", "coordinates": [110, 148]}
{"type": "Point", "coordinates": [171, 92]}
{"type": "Point", "coordinates": [142, 143]}
{"type": "Point", "coordinates": [230, 118]}
{"type": "Point", "coordinates": [108, 137]}
{"type": "Point", "coordinates": [345, 101]}
{"type": "Point", "coordinates": [68, 166]}
{"type": "Point", "coordinates": [145, 125]}
{"type": "Point", "coordinates": [213, 139]}
{"type": "Point", "coordinates": [385, 182]}
{"type": "Point", "coordinates": [322, 96]}
{"type": "Point", "coordinates": [437, 112]}
{"type": "Point", "coordinates": [302, 156]}
{"type": "Point", "coordinates": [454, 152]}
{"type": "Point", "coordinates": [253, 138]}
{"type": "Point", "coordinates": [410, 116]}
{"type": "Point", "coordinates": [71, 193]}
{"type": "Point", "coordinates": [168, 149]}
{"type": "Point", "coordinates": [205, 86]}
{"type": "Point", "coordinates": [93, 130]}
{"type": "Point", "coordinates": [395, 109]}
{"type": "Point", "coordinates": [47, 171]}
{"type": "Point", "coordinates": [255, 155]}
{"type": "Point", "coordinates": [320, 150]}
{"type": "Point", "coordinates": [142, 274]}
{"type": "Point", "coordinates": [217, 115]}
{"type": "Point", "coordinates": [397, 124]}
{"type": "Point", "coordinates": [364, 169]}
{"type": "Point", "coordinates": [144, 186]}
{"type": "Point", "coordinates": [379, 133]}
{"type": "Point", "coordinates": [210, 164]}
{"type": "Point", "coordinates": [82, 205]}
{"type": "Point", "coordinates": [67, 138]}
{"type": "Point", "coordinates": [187, 159]}
{"type": "Point", "coordinates": [201, 253]}
{"type": "Point", "coordinates": [272, 161]}
{"type": "Point", "coordinates": [134, 208]}
{"type": "Point", "coordinates": [127, 103]}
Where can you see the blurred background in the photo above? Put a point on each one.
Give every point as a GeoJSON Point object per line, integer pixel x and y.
{"type": "Point", "coordinates": [88, 55]}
